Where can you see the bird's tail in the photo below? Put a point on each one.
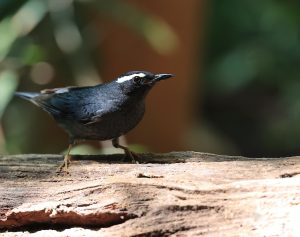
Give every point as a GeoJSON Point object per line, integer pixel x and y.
{"type": "Point", "coordinates": [26, 95]}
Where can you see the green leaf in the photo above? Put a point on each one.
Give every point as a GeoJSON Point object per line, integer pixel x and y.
{"type": "Point", "coordinates": [9, 7]}
{"type": "Point", "coordinates": [20, 24]}
{"type": "Point", "coordinates": [8, 36]}
{"type": "Point", "coordinates": [8, 84]}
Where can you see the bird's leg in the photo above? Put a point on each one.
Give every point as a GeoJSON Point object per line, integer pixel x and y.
{"type": "Point", "coordinates": [67, 159]}
{"type": "Point", "coordinates": [133, 156]}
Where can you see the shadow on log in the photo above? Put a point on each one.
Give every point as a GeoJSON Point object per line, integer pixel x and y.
{"type": "Point", "coordinates": [182, 193]}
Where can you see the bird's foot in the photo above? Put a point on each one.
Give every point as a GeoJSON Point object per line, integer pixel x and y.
{"type": "Point", "coordinates": [133, 156]}
{"type": "Point", "coordinates": [129, 154]}
{"type": "Point", "coordinates": [65, 165]}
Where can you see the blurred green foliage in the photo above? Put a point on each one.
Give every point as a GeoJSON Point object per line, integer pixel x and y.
{"type": "Point", "coordinates": [252, 75]}
{"type": "Point", "coordinates": [48, 43]}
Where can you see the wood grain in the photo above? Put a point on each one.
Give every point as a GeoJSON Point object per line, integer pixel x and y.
{"type": "Point", "coordinates": [178, 193]}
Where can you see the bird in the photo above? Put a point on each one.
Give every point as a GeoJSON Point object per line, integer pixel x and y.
{"type": "Point", "coordinates": [102, 112]}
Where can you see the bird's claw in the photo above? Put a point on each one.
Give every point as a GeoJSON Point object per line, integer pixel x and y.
{"type": "Point", "coordinates": [65, 165]}
{"type": "Point", "coordinates": [133, 156]}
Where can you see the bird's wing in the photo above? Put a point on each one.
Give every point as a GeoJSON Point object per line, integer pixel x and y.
{"type": "Point", "coordinates": [81, 104]}
{"type": "Point", "coordinates": [94, 117]}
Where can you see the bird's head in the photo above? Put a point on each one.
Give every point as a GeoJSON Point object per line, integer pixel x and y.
{"type": "Point", "coordinates": [139, 81]}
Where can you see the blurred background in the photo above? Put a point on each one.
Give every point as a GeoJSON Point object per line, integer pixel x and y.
{"type": "Point", "coordinates": [237, 84]}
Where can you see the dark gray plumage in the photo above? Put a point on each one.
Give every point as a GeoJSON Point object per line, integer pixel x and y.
{"type": "Point", "coordinates": [101, 112]}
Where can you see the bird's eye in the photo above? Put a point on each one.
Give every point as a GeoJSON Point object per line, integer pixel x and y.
{"type": "Point", "coordinates": [137, 80]}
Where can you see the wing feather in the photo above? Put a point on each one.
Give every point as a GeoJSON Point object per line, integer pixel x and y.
{"type": "Point", "coordinates": [82, 104]}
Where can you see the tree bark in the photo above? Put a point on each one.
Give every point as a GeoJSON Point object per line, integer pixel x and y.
{"type": "Point", "coordinates": [178, 193]}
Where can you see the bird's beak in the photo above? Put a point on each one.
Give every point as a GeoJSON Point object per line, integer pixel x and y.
{"type": "Point", "coordinates": [159, 77]}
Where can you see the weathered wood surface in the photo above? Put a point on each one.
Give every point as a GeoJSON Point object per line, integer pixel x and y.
{"type": "Point", "coordinates": [178, 194]}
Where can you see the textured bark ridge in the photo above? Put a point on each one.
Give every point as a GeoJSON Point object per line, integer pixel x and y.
{"type": "Point", "coordinates": [178, 193]}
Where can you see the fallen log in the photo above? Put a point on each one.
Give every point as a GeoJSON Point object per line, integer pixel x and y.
{"type": "Point", "coordinates": [180, 193]}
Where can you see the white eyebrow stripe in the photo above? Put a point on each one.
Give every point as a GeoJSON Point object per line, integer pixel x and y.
{"type": "Point", "coordinates": [130, 77]}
